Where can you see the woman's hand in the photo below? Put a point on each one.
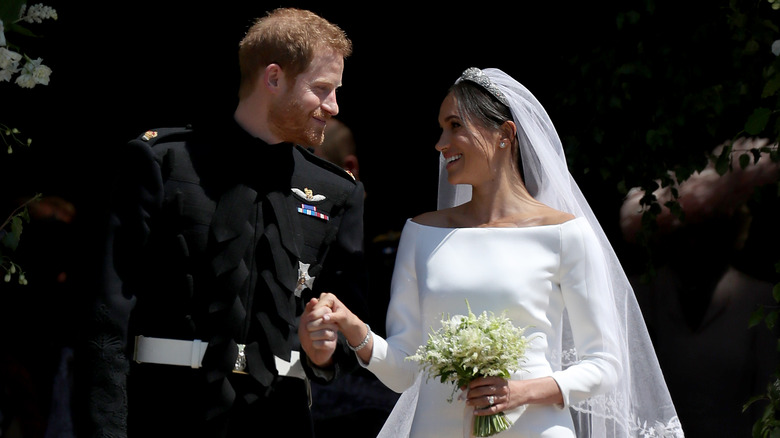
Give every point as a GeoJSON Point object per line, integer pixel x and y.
{"type": "Point", "coordinates": [490, 395]}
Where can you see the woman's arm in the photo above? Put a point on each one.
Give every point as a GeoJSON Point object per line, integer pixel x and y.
{"type": "Point", "coordinates": [386, 358]}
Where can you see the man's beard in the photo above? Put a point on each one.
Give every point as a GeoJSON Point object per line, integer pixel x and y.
{"type": "Point", "coordinates": [292, 124]}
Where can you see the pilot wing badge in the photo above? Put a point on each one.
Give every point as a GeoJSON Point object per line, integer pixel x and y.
{"type": "Point", "coordinates": [307, 194]}
{"type": "Point", "coordinates": [308, 208]}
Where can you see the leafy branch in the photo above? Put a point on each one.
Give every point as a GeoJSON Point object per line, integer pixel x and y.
{"type": "Point", "coordinates": [10, 234]}
{"type": "Point", "coordinates": [9, 136]}
{"type": "Point", "coordinates": [14, 14]}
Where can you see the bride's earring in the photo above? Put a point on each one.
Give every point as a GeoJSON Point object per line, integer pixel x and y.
{"type": "Point", "coordinates": [502, 145]}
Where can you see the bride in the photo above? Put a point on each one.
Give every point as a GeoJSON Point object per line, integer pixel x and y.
{"type": "Point", "coordinates": [514, 234]}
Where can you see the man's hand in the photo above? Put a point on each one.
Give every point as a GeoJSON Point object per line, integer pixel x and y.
{"type": "Point", "coordinates": [318, 337]}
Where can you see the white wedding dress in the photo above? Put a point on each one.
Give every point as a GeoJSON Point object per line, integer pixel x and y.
{"type": "Point", "coordinates": [535, 275]}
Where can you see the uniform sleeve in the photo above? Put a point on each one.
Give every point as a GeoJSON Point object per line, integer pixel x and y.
{"type": "Point", "coordinates": [588, 300]}
{"type": "Point", "coordinates": [136, 196]}
{"type": "Point", "coordinates": [352, 269]}
{"type": "Point", "coordinates": [404, 325]}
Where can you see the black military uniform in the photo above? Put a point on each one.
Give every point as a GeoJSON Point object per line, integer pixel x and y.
{"type": "Point", "coordinates": [216, 241]}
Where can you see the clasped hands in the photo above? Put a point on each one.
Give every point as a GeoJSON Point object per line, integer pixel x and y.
{"type": "Point", "coordinates": [320, 323]}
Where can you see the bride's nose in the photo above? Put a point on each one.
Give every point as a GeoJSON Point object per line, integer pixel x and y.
{"type": "Point", "coordinates": [442, 145]}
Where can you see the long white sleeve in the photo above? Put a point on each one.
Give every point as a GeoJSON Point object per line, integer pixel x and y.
{"type": "Point", "coordinates": [583, 282]}
{"type": "Point", "coordinates": [388, 360]}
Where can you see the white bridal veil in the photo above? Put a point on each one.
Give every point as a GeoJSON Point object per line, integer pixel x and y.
{"type": "Point", "coordinates": [640, 404]}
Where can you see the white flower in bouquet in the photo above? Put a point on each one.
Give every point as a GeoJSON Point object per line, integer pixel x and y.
{"type": "Point", "coordinates": [470, 346]}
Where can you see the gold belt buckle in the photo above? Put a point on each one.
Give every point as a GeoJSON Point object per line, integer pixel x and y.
{"type": "Point", "coordinates": [240, 364]}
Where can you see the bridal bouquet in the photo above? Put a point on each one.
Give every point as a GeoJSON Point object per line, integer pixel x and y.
{"type": "Point", "coordinates": [467, 347]}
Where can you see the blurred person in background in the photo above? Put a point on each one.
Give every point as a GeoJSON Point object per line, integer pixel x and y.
{"type": "Point", "coordinates": [699, 301]}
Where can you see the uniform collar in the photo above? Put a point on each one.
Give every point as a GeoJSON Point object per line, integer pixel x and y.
{"type": "Point", "coordinates": [252, 160]}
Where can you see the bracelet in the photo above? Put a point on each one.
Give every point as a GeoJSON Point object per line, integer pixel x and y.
{"type": "Point", "coordinates": [365, 340]}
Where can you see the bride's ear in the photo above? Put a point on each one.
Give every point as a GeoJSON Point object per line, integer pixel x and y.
{"type": "Point", "coordinates": [509, 132]}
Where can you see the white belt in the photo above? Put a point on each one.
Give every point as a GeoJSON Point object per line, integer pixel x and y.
{"type": "Point", "coordinates": [190, 353]}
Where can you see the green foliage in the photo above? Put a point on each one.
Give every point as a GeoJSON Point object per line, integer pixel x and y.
{"type": "Point", "coordinates": [11, 238]}
{"type": "Point", "coordinates": [768, 426]}
{"type": "Point", "coordinates": [10, 137]}
{"type": "Point", "coordinates": [9, 14]}
{"type": "Point", "coordinates": [13, 14]}
{"type": "Point", "coordinates": [9, 11]}
{"type": "Point", "coordinates": [666, 84]}
{"type": "Point", "coordinates": [757, 122]}
{"type": "Point", "coordinates": [10, 235]}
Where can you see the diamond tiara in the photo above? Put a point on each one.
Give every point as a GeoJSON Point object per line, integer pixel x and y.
{"type": "Point", "coordinates": [477, 76]}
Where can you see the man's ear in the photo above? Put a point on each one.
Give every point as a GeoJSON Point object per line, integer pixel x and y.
{"type": "Point", "coordinates": [273, 78]}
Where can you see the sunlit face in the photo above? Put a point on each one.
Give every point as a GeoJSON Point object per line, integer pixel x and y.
{"type": "Point", "coordinates": [463, 147]}
{"type": "Point", "coordinates": [299, 115]}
